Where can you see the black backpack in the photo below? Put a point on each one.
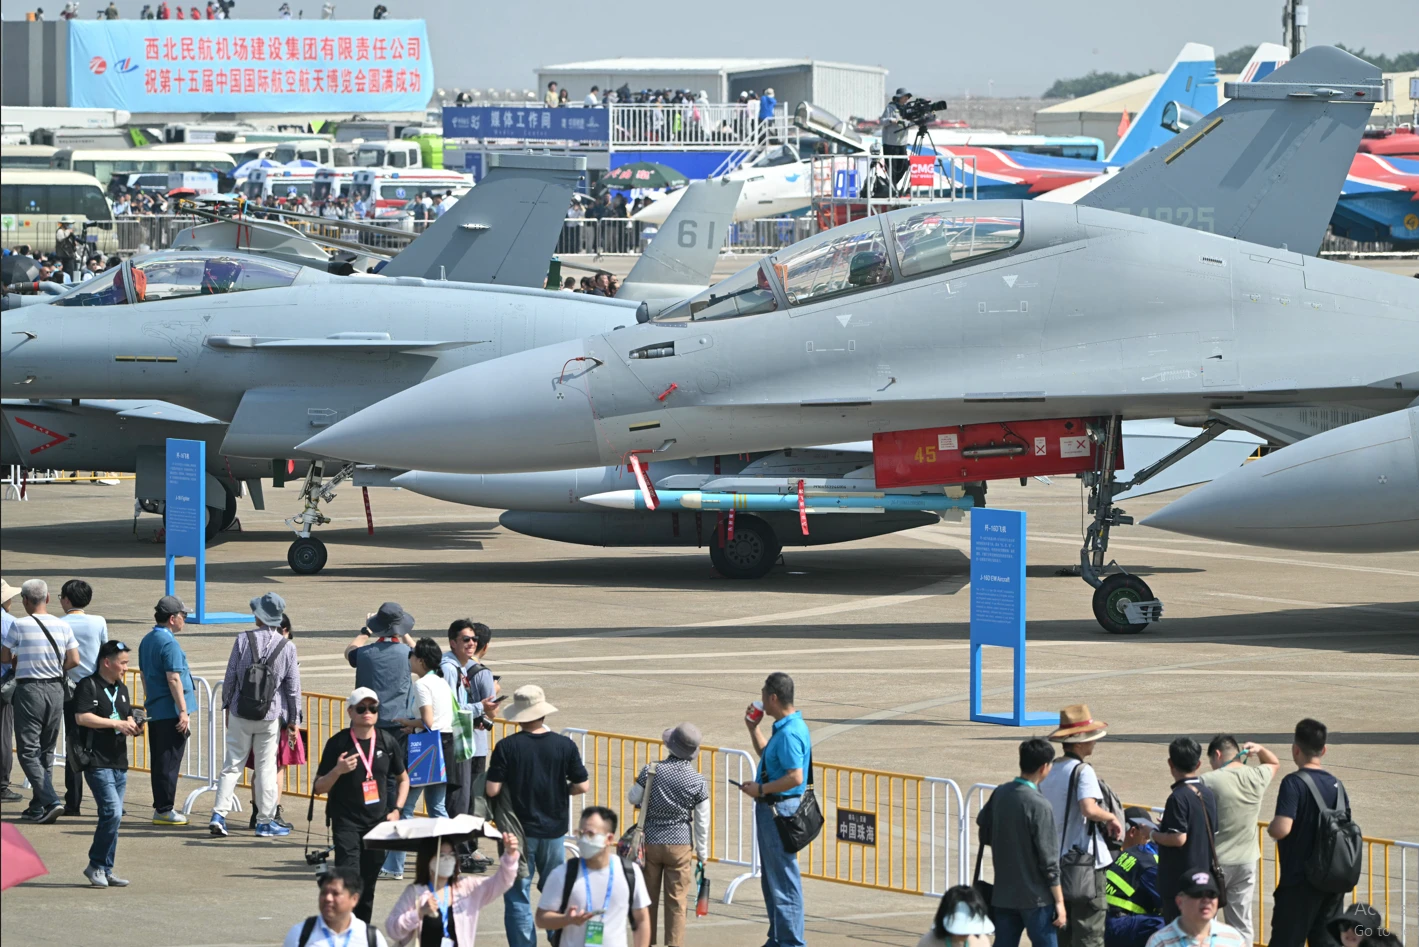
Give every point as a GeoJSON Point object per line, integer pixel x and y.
{"type": "Point", "coordinates": [308, 928]}
{"type": "Point", "coordinates": [573, 873]}
{"type": "Point", "coordinates": [1337, 856]}
{"type": "Point", "coordinates": [258, 683]}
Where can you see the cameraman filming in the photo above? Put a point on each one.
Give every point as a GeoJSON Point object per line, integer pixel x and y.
{"type": "Point", "coordinates": [894, 129]}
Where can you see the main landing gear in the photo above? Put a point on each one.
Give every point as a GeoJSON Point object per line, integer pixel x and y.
{"type": "Point", "coordinates": [1123, 603]}
{"type": "Point", "coordinates": [308, 555]}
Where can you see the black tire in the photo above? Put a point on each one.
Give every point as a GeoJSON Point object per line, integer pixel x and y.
{"type": "Point", "coordinates": [307, 556]}
{"type": "Point", "coordinates": [1109, 600]}
{"type": "Point", "coordinates": [229, 513]}
{"type": "Point", "coordinates": [752, 552]}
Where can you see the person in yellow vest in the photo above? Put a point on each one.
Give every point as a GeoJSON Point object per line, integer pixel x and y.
{"type": "Point", "coordinates": [1131, 884]}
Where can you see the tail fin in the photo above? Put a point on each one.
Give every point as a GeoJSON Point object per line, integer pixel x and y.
{"type": "Point", "coordinates": [687, 245]}
{"type": "Point", "coordinates": [1192, 82]}
{"type": "Point", "coordinates": [1268, 58]}
{"type": "Point", "coordinates": [502, 231]}
{"type": "Point", "coordinates": [1268, 166]}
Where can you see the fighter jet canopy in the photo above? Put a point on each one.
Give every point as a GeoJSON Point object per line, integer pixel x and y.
{"type": "Point", "coordinates": [901, 245]}
{"type": "Point", "coordinates": [170, 275]}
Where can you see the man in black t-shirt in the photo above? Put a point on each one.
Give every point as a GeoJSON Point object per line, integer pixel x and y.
{"type": "Point", "coordinates": [104, 717]}
{"type": "Point", "coordinates": [1186, 836]}
{"type": "Point", "coordinates": [540, 771]}
{"type": "Point", "coordinates": [356, 767]}
{"type": "Point", "coordinates": [1302, 910]}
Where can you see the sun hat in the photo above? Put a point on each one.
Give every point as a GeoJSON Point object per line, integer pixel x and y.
{"type": "Point", "coordinates": [268, 609]}
{"type": "Point", "coordinates": [7, 591]}
{"type": "Point", "coordinates": [391, 621]}
{"type": "Point", "coordinates": [529, 703]}
{"type": "Point", "coordinates": [1077, 725]}
{"type": "Point", "coordinates": [964, 921]}
{"type": "Point", "coordinates": [682, 740]}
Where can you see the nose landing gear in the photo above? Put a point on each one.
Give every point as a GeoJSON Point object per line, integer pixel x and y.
{"type": "Point", "coordinates": [308, 555]}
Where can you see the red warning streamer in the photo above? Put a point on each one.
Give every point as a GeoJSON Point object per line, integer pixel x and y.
{"type": "Point", "coordinates": [802, 510]}
{"type": "Point", "coordinates": [369, 516]}
{"type": "Point", "coordinates": [652, 502]}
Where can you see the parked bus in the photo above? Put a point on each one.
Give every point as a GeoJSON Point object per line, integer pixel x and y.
{"type": "Point", "coordinates": [324, 153]}
{"type": "Point", "coordinates": [105, 164]}
{"type": "Point", "coordinates": [34, 200]}
{"type": "Point", "coordinates": [26, 156]}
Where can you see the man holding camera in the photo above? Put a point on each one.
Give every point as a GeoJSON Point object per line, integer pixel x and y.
{"type": "Point", "coordinates": [894, 129]}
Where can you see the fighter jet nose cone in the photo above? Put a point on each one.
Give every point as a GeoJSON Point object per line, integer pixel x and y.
{"type": "Point", "coordinates": [510, 414]}
{"type": "Point", "coordinates": [1197, 513]}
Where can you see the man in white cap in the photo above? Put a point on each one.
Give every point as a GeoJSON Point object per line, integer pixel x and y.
{"type": "Point", "coordinates": [7, 713]}
{"type": "Point", "coordinates": [1073, 790]}
{"type": "Point", "coordinates": [356, 766]}
{"type": "Point", "coordinates": [262, 687]}
{"type": "Point", "coordinates": [540, 771]}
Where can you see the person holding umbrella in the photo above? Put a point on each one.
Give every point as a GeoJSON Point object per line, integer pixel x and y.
{"type": "Point", "coordinates": [441, 907]}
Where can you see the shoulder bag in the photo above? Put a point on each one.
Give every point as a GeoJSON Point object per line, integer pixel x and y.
{"type": "Point", "coordinates": [632, 844]}
{"type": "Point", "coordinates": [1076, 866]}
{"type": "Point", "coordinates": [1218, 878]}
{"type": "Point", "coordinates": [798, 831]}
{"type": "Point", "coordinates": [69, 683]}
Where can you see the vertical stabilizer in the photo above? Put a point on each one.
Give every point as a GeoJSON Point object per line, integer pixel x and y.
{"type": "Point", "coordinates": [1266, 167]}
{"type": "Point", "coordinates": [502, 231]}
{"type": "Point", "coordinates": [1191, 82]}
{"type": "Point", "coordinates": [687, 245]}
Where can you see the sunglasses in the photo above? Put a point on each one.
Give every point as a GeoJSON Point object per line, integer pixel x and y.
{"type": "Point", "coordinates": [367, 708]}
{"type": "Point", "coordinates": [465, 639]}
{"type": "Point", "coordinates": [120, 646]}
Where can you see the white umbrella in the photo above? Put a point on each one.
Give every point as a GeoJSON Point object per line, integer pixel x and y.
{"type": "Point", "coordinates": [409, 835]}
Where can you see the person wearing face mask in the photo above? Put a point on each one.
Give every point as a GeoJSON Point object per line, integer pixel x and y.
{"type": "Point", "coordinates": [593, 899]}
{"type": "Point", "coordinates": [440, 909]}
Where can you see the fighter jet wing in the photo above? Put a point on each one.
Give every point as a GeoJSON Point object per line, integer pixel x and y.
{"type": "Point", "coordinates": [356, 344]}
{"type": "Point", "coordinates": [680, 261]}
{"type": "Point", "coordinates": [1266, 167]}
{"type": "Point", "coordinates": [122, 408]}
{"type": "Point", "coordinates": [504, 230]}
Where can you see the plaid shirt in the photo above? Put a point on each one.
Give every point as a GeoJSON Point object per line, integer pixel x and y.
{"type": "Point", "coordinates": [287, 702]}
{"type": "Point", "coordinates": [1223, 935]}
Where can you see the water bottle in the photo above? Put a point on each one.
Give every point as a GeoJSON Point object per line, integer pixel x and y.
{"type": "Point", "coordinates": [702, 901]}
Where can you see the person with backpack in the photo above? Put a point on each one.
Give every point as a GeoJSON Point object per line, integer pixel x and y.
{"type": "Point", "coordinates": [598, 897]}
{"type": "Point", "coordinates": [1318, 845]}
{"type": "Point", "coordinates": [1085, 821]}
{"type": "Point", "coordinates": [262, 687]}
{"type": "Point", "coordinates": [336, 925]}
{"type": "Point", "coordinates": [1187, 836]}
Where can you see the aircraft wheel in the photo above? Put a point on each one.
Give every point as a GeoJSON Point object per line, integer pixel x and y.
{"type": "Point", "coordinates": [750, 554]}
{"type": "Point", "coordinates": [307, 556]}
{"type": "Point", "coordinates": [229, 513]}
{"type": "Point", "coordinates": [1109, 600]}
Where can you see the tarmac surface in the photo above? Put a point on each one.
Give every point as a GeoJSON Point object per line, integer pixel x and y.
{"type": "Point", "coordinates": [634, 640]}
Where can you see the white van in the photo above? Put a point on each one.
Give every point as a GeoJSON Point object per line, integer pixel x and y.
{"type": "Point", "coordinates": [34, 200]}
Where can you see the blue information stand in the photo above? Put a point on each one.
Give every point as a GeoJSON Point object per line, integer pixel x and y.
{"type": "Point", "coordinates": [998, 607]}
{"type": "Point", "coordinates": [186, 506]}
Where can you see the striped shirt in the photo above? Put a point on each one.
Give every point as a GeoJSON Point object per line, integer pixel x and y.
{"type": "Point", "coordinates": [1222, 935]}
{"type": "Point", "coordinates": [679, 787]}
{"type": "Point", "coordinates": [35, 654]}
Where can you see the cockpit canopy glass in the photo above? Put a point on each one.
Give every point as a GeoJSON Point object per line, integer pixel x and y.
{"type": "Point", "coordinates": [837, 261]}
{"type": "Point", "coordinates": [929, 240]}
{"type": "Point", "coordinates": [744, 294]}
{"type": "Point", "coordinates": [776, 155]}
{"type": "Point", "coordinates": [168, 277]}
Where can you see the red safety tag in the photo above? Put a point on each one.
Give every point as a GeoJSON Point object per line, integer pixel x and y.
{"type": "Point", "coordinates": [802, 510]}
{"type": "Point", "coordinates": [652, 502]}
{"type": "Point", "coordinates": [731, 526]}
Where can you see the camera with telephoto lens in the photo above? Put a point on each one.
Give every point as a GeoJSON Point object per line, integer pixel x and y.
{"type": "Point", "coordinates": [919, 111]}
{"type": "Point", "coordinates": [319, 857]}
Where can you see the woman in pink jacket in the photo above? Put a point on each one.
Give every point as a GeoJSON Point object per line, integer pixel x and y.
{"type": "Point", "coordinates": [442, 904]}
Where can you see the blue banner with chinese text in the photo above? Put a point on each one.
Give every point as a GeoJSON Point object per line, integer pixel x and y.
{"type": "Point", "coordinates": [250, 65]}
{"type": "Point", "coordinates": [527, 122]}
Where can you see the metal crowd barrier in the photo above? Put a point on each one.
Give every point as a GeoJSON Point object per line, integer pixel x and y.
{"type": "Point", "coordinates": [600, 237]}
{"type": "Point", "coordinates": [1387, 882]}
{"type": "Point", "coordinates": [155, 231]}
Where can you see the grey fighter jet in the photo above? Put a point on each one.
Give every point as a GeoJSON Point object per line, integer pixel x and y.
{"type": "Point", "coordinates": [965, 313]}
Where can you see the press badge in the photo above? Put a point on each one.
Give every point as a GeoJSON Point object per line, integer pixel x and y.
{"type": "Point", "coordinates": [594, 930]}
{"type": "Point", "coordinates": [446, 942]}
{"type": "Point", "coordinates": [371, 789]}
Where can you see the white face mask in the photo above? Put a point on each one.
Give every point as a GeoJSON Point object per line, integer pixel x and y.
{"type": "Point", "coordinates": [445, 866]}
{"type": "Point", "coordinates": [589, 846]}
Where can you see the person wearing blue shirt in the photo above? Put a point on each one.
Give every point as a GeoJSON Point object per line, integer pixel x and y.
{"type": "Point", "coordinates": [169, 698]}
{"type": "Point", "coordinates": [90, 631]}
{"type": "Point", "coordinates": [785, 759]}
{"type": "Point", "coordinates": [767, 102]}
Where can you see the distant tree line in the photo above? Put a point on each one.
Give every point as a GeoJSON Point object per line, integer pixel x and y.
{"type": "Point", "coordinates": [1229, 63]}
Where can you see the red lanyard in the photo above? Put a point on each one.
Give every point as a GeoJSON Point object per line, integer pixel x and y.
{"type": "Point", "coordinates": [367, 760]}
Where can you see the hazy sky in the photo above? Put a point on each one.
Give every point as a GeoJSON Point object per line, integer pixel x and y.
{"type": "Point", "coordinates": [934, 48]}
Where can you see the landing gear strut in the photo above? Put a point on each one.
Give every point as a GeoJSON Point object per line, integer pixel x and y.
{"type": "Point", "coordinates": [1123, 603]}
{"type": "Point", "coordinates": [308, 555]}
